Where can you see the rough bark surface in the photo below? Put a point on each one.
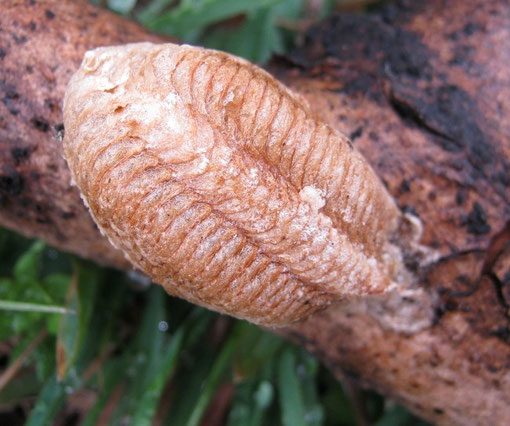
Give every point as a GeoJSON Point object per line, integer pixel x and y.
{"type": "Point", "coordinates": [423, 90]}
{"type": "Point", "coordinates": [41, 45]}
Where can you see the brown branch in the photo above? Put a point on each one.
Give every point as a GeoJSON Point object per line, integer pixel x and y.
{"type": "Point", "coordinates": [15, 367]}
{"type": "Point", "coordinates": [423, 89]}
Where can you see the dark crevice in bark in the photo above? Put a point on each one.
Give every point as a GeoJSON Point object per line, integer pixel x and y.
{"type": "Point", "coordinates": [501, 333]}
{"type": "Point", "coordinates": [410, 114]}
{"type": "Point", "coordinates": [496, 247]}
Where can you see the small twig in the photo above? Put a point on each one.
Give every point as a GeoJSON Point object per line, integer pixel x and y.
{"type": "Point", "coordinates": [96, 365]}
{"type": "Point", "coordinates": [298, 25]}
{"type": "Point", "coordinates": [357, 400]}
{"type": "Point", "coordinates": [109, 408]}
{"type": "Point", "coordinates": [14, 368]}
{"type": "Point", "coordinates": [217, 411]}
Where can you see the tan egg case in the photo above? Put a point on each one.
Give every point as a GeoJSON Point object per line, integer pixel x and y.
{"type": "Point", "coordinates": [220, 184]}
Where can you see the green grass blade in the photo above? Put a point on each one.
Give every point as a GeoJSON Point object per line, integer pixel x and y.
{"type": "Point", "coordinates": [181, 19]}
{"type": "Point", "coordinates": [256, 38]}
{"type": "Point", "coordinates": [140, 373]}
{"type": "Point", "coordinates": [142, 358]}
{"type": "Point", "coordinates": [189, 381]}
{"type": "Point", "coordinates": [9, 305]}
{"type": "Point", "coordinates": [307, 374]}
{"type": "Point", "coordinates": [122, 6]}
{"type": "Point", "coordinates": [213, 380]}
{"type": "Point", "coordinates": [27, 273]}
{"type": "Point", "coordinates": [50, 400]}
{"type": "Point", "coordinates": [113, 375]}
{"type": "Point", "coordinates": [73, 328]}
{"type": "Point", "coordinates": [399, 416]}
{"type": "Point", "coordinates": [26, 269]}
{"type": "Point", "coordinates": [147, 404]}
{"type": "Point", "coordinates": [24, 385]}
{"type": "Point", "coordinates": [153, 10]}
{"type": "Point", "coordinates": [56, 285]}
{"type": "Point", "coordinates": [263, 396]}
{"type": "Point", "coordinates": [255, 349]}
{"type": "Point", "coordinates": [148, 336]}
{"type": "Point", "coordinates": [103, 331]}
{"type": "Point", "coordinates": [291, 398]}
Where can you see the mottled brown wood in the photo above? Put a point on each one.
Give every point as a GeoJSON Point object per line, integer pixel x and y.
{"type": "Point", "coordinates": [423, 89]}
{"type": "Point", "coordinates": [41, 45]}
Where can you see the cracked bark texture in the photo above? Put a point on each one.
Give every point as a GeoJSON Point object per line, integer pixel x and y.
{"type": "Point", "coordinates": [423, 90]}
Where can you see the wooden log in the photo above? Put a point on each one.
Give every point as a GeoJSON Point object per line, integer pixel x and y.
{"type": "Point", "coordinates": [41, 45]}
{"type": "Point", "coordinates": [423, 90]}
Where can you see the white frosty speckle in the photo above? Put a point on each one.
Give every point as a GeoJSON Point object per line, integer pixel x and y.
{"type": "Point", "coordinates": [312, 196]}
{"type": "Point", "coordinates": [171, 99]}
{"type": "Point", "coordinates": [90, 62]}
{"type": "Point", "coordinates": [202, 164]}
{"type": "Point", "coordinates": [150, 111]}
{"type": "Point", "coordinates": [229, 97]}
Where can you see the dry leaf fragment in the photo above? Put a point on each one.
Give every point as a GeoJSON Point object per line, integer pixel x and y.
{"type": "Point", "coordinates": [217, 181]}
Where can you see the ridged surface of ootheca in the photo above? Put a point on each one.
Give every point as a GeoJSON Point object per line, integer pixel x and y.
{"type": "Point", "coordinates": [218, 182]}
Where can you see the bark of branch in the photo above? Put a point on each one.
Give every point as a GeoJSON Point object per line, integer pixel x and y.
{"type": "Point", "coordinates": [424, 92]}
